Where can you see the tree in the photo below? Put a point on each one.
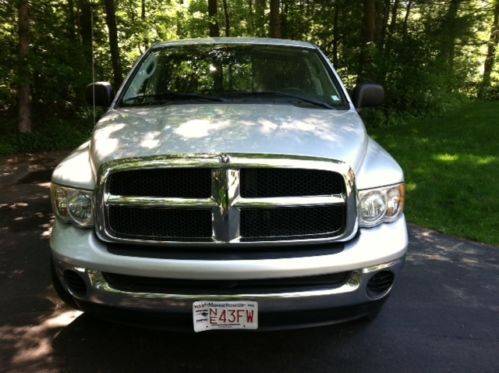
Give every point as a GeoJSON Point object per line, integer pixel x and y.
{"type": "Point", "coordinates": [368, 30]}
{"type": "Point", "coordinates": [85, 27]}
{"type": "Point", "coordinates": [71, 20]}
{"type": "Point", "coordinates": [227, 18]}
{"type": "Point", "coordinates": [491, 52]}
{"type": "Point", "coordinates": [275, 19]}
{"type": "Point", "coordinates": [336, 32]}
{"type": "Point", "coordinates": [260, 17]}
{"type": "Point", "coordinates": [408, 8]}
{"type": "Point", "coordinates": [450, 28]}
{"type": "Point", "coordinates": [23, 90]}
{"type": "Point", "coordinates": [393, 21]}
{"type": "Point", "coordinates": [143, 19]}
{"type": "Point", "coordinates": [113, 42]}
{"type": "Point", "coordinates": [212, 14]}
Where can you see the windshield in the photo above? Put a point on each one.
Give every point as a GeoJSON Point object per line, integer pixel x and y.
{"type": "Point", "coordinates": [232, 73]}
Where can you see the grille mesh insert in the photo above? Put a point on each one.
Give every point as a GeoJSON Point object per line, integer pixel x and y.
{"type": "Point", "coordinates": [282, 182]}
{"type": "Point", "coordinates": [285, 222]}
{"type": "Point", "coordinates": [162, 182]}
{"type": "Point", "coordinates": [156, 223]}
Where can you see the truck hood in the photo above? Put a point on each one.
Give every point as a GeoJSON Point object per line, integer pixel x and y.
{"type": "Point", "coordinates": [229, 128]}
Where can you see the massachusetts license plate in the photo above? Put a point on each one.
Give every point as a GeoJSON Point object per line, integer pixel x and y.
{"type": "Point", "coordinates": [212, 315]}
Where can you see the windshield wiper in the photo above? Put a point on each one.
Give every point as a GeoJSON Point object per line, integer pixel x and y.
{"type": "Point", "coordinates": [165, 97]}
{"type": "Point", "coordinates": [282, 94]}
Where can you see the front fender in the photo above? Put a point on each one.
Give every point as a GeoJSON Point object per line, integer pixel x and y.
{"type": "Point", "coordinates": [76, 169]}
{"type": "Point", "coordinates": [378, 168]}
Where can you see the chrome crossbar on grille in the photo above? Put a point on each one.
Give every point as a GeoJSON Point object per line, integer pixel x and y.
{"type": "Point", "coordinates": [152, 219]}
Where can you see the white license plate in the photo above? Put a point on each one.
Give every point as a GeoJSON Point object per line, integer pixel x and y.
{"type": "Point", "coordinates": [213, 315]}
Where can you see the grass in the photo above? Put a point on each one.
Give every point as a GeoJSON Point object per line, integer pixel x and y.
{"type": "Point", "coordinates": [451, 166]}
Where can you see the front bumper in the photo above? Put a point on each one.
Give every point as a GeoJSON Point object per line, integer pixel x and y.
{"type": "Point", "coordinates": [374, 250]}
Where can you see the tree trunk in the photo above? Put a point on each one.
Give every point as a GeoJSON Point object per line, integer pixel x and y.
{"type": "Point", "coordinates": [285, 30]}
{"type": "Point", "coordinates": [113, 42]}
{"type": "Point", "coordinates": [406, 18]}
{"type": "Point", "coordinates": [449, 31]}
{"type": "Point", "coordinates": [23, 89]}
{"type": "Point", "coordinates": [392, 28]}
{"type": "Point", "coordinates": [85, 28]}
{"type": "Point", "coordinates": [227, 18]}
{"type": "Point", "coordinates": [71, 20]}
{"type": "Point", "coordinates": [488, 66]}
{"type": "Point", "coordinates": [260, 17]}
{"type": "Point", "coordinates": [369, 29]}
{"type": "Point", "coordinates": [143, 19]}
{"type": "Point", "coordinates": [393, 22]}
{"type": "Point", "coordinates": [251, 18]}
{"type": "Point", "coordinates": [212, 15]}
{"type": "Point", "coordinates": [336, 32]}
{"type": "Point", "coordinates": [275, 19]}
{"type": "Point", "coordinates": [383, 14]}
{"type": "Point", "coordinates": [369, 20]}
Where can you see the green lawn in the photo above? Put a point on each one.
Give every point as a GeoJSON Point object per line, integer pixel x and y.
{"type": "Point", "coordinates": [451, 166]}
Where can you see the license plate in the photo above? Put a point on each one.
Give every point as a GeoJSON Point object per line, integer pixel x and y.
{"type": "Point", "coordinates": [213, 315]}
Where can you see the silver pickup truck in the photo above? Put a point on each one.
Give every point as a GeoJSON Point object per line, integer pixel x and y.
{"type": "Point", "coordinates": [230, 185]}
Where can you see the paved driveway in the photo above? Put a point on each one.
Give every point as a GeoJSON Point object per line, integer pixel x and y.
{"type": "Point", "coordinates": [442, 316]}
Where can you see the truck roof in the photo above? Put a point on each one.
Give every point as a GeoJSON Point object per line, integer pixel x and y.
{"type": "Point", "coordinates": [236, 40]}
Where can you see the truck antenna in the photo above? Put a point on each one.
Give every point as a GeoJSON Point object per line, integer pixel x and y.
{"type": "Point", "coordinates": [93, 59]}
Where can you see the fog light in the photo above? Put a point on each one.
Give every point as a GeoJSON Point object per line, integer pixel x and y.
{"type": "Point", "coordinates": [75, 283]}
{"type": "Point", "coordinates": [380, 283]}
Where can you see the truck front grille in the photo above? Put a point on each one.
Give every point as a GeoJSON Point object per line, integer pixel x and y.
{"type": "Point", "coordinates": [282, 182]}
{"type": "Point", "coordinates": [225, 200]}
{"type": "Point", "coordinates": [159, 223]}
{"type": "Point", "coordinates": [289, 222]}
{"type": "Point", "coordinates": [166, 182]}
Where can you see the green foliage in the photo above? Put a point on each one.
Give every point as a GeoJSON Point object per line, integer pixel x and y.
{"type": "Point", "coordinates": [55, 133]}
{"type": "Point", "coordinates": [451, 165]}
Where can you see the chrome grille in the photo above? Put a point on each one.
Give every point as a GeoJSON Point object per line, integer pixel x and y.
{"type": "Point", "coordinates": [282, 182]}
{"type": "Point", "coordinates": [160, 223]}
{"type": "Point", "coordinates": [166, 182]}
{"type": "Point", "coordinates": [289, 222]}
{"type": "Point", "coordinates": [252, 200]}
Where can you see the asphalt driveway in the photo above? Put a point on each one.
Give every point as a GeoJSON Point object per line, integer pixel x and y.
{"type": "Point", "coordinates": [443, 314]}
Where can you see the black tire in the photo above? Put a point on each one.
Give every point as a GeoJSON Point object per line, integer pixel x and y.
{"type": "Point", "coordinates": [59, 289]}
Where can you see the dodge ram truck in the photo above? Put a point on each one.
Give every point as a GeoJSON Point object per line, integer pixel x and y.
{"type": "Point", "coordinates": [230, 184]}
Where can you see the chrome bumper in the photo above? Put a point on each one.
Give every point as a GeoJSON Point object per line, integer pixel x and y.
{"type": "Point", "coordinates": [375, 249]}
{"type": "Point", "coordinates": [352, 292]}
{"type": "Point", "coordinates": [373, 246]}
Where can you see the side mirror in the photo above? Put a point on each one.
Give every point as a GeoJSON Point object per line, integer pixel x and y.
{"type": "Point", "coordinates": [368, 95]}
{"type": "Point", "coordinates": [103, 94]}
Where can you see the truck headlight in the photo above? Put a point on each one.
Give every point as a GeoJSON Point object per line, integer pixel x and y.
{"type": "Point", "coordinates": [73, 205]}
{"type": "Point", "coordinates": [379, 205]}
